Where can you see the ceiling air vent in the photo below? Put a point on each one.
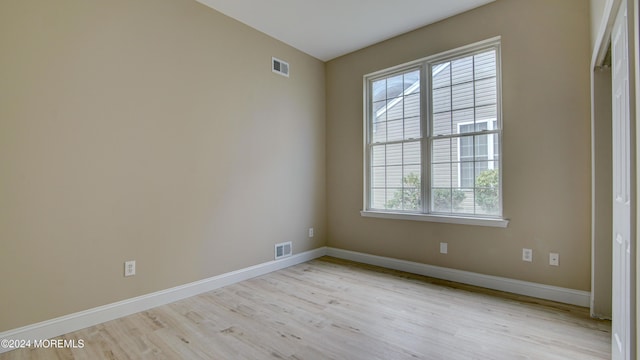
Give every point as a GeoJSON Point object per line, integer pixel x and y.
{"type": "Point", "coordinates": [280, 67]}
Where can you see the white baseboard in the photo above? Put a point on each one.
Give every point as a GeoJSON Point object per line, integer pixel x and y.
{"type": "Point", "coordinates": [83, 319]}
{"type": "Point", "coordinates": [541, 291]}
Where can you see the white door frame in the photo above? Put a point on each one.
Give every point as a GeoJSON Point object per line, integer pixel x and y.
{"type": "Point", "coordinates": [623, 199]}
{"type": "Point", "coordinates": [601, 45]}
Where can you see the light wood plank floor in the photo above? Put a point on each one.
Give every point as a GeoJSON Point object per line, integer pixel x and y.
{"type": "Point", "coordinates": [334, 309]}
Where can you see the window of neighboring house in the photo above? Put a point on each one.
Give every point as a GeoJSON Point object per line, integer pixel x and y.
{"type": "Point", "coordinates": [474, 159]}
{"type": "Point", "coordinates": [433, 130]}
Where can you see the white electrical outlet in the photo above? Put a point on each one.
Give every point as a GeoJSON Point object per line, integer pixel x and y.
{"type": "Point", "coordinates": [443, 248]}
{"type": "Point", "coordinates": [527, 255]}
{"type": "Point", "coordinates": [310, 232]}
{"type": "Point", "coordinates": [554, 259]}
{"type": "Point", "coordinates": [129, 268]}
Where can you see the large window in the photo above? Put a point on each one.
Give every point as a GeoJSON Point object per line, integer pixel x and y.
{"type": "Point", "coordinates": [432, 138]}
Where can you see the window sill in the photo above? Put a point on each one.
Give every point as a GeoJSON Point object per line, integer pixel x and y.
{"type": "Point", "coordinates": [478, 221]}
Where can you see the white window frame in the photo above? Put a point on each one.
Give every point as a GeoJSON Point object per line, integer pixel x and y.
{"type": "Point", "coordinates": [427, 138]}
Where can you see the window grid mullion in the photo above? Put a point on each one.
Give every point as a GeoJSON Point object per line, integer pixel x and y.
{"type": "Point", "coordinates": [451, 131]}
{"type": "Point", "coordinates": [426, 130]}
{"type": "Point", "coordinates": [402, 146]}
{"type": "Point", "coordinates": [475, 128]}
{"type": "Point", "coordinates": [386, 142]}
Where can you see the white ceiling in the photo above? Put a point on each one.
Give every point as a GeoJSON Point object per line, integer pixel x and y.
{"type": "Point", "coordinates": [326, 29]}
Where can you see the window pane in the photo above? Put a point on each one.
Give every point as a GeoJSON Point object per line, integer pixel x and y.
{"type": "Point", "coordinates": [412, 199]}
{"type": "Point", "coordinates": [412, 128]}
{"type": "Point", "coordinates": [467, 177]}
{"type": "Point", "coordinates": [442, 123]}
{"type": "Point", "coordinates": [394, 154]}
{"type": "Point", "coordinates": [462, 96]}
{"type": "Point", "coordinates": [463, 120]}
{"type": "Point", "coordinates": [466, 148]}
{"type": "Point", "coordinates": [395, 86]}
{"type": "Point", "coordinates": [487, 174]}
{"type": "Point", "coordinates": [394, 109]}
{"type": "Point", "coordinates": [441, 100]}
{"type": "Point", "coordinates": [481, 169]}
{"type": "Point", "coordinates": [487, 112]}
{"type": "Point", "coordinates": [379, 111]}
{"type": "Point", "coordinates": [378, 198]}
{"type": "Point", "coordinates": [488, 201]}
{"type": "Point", "coordinates": [411, 176]}
{"type": "Point", "coordinates": [441, 199]}
{"type": "Point", "coordinates": [441, 151]}
{"type": "Point", "coordinates": [441, 175]}
{"type": "Point", "coordinates": [379, 90]}
{"type": "Point", "coordinates": [463, 201]}
{"type": "Point", "coordinates": [487, 187]}
{"type": "Point", "coordinates": [482, 150]}
{"type": "Point", "coordinates": [396, 117]}
{"type": "Point", "coordinates": [377, 155]}
{"type": "Point", "coordinates": [485, 64]}
{"type": "Point", "coordinates": [462, 70]}
{"type": "Point", "coordinates": [378, 177]}
{"type": "Point", "coordinates": [412, 153]}
{"type": "Point", "coordinates": [394, 176]}
{"type": "Point", "coordinates": [482, 125]}
{"type": "Point", "coordinates": [455, 149]}
{"type": "Point", "coordinates": [486, 93]}
{"type": "Point", "coordinates": [394, 130]}
{"type": "Point", "coordinates": [412, 196]}
{"type": "Point", "coordinates": [441, 75]}
{"type": "Point", "coordinates": [412, 81]}
{"type": "Point", "coordinates": [379, 132]}
{"type": "Point", "coordinates": [394, 199]}
{"type": "Point", "coordinates": [412, 105]}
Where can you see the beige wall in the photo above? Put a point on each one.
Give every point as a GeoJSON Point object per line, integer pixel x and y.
{"type": "Point", "coordinates": [151, 130]}
{"type": "Point", "coordinates": [602, 160]}
{"type": "Point", "coordinates": [598, 9]}
{"type": "Point", "coordinates": [546, 112]}
{"type": "Point", "coordinates": [602, 194]}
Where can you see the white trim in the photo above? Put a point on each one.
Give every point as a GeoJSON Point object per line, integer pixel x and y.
{"type": "Point", "coordinates": [541, 291]}
{"type": "Point", "coordinates": [603, 37]}
{"type": "Point", "coordinates": [462, 220]}
{"type": "Point", "coordinates": [83, 319]}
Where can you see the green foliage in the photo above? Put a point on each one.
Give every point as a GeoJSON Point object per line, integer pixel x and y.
{"type": "Point", "coordinates": [410, 196]}
{"type": "Point", "coordinates": [487, 196]}
{"type": "Point", "coordinates": [446, 200]}
{"type": "Point", "coordinates": [411, 199]}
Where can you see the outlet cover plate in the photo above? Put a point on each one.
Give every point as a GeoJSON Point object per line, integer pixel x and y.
{"type": "Point", "coordinates": [129, 268]}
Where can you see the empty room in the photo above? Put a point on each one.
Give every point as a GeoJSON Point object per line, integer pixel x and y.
{"type": "Point", "coordinates": [418, 179]}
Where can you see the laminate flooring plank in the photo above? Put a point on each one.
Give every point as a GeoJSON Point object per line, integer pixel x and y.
{"type": "Point", "coordinates": [336, 309]}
